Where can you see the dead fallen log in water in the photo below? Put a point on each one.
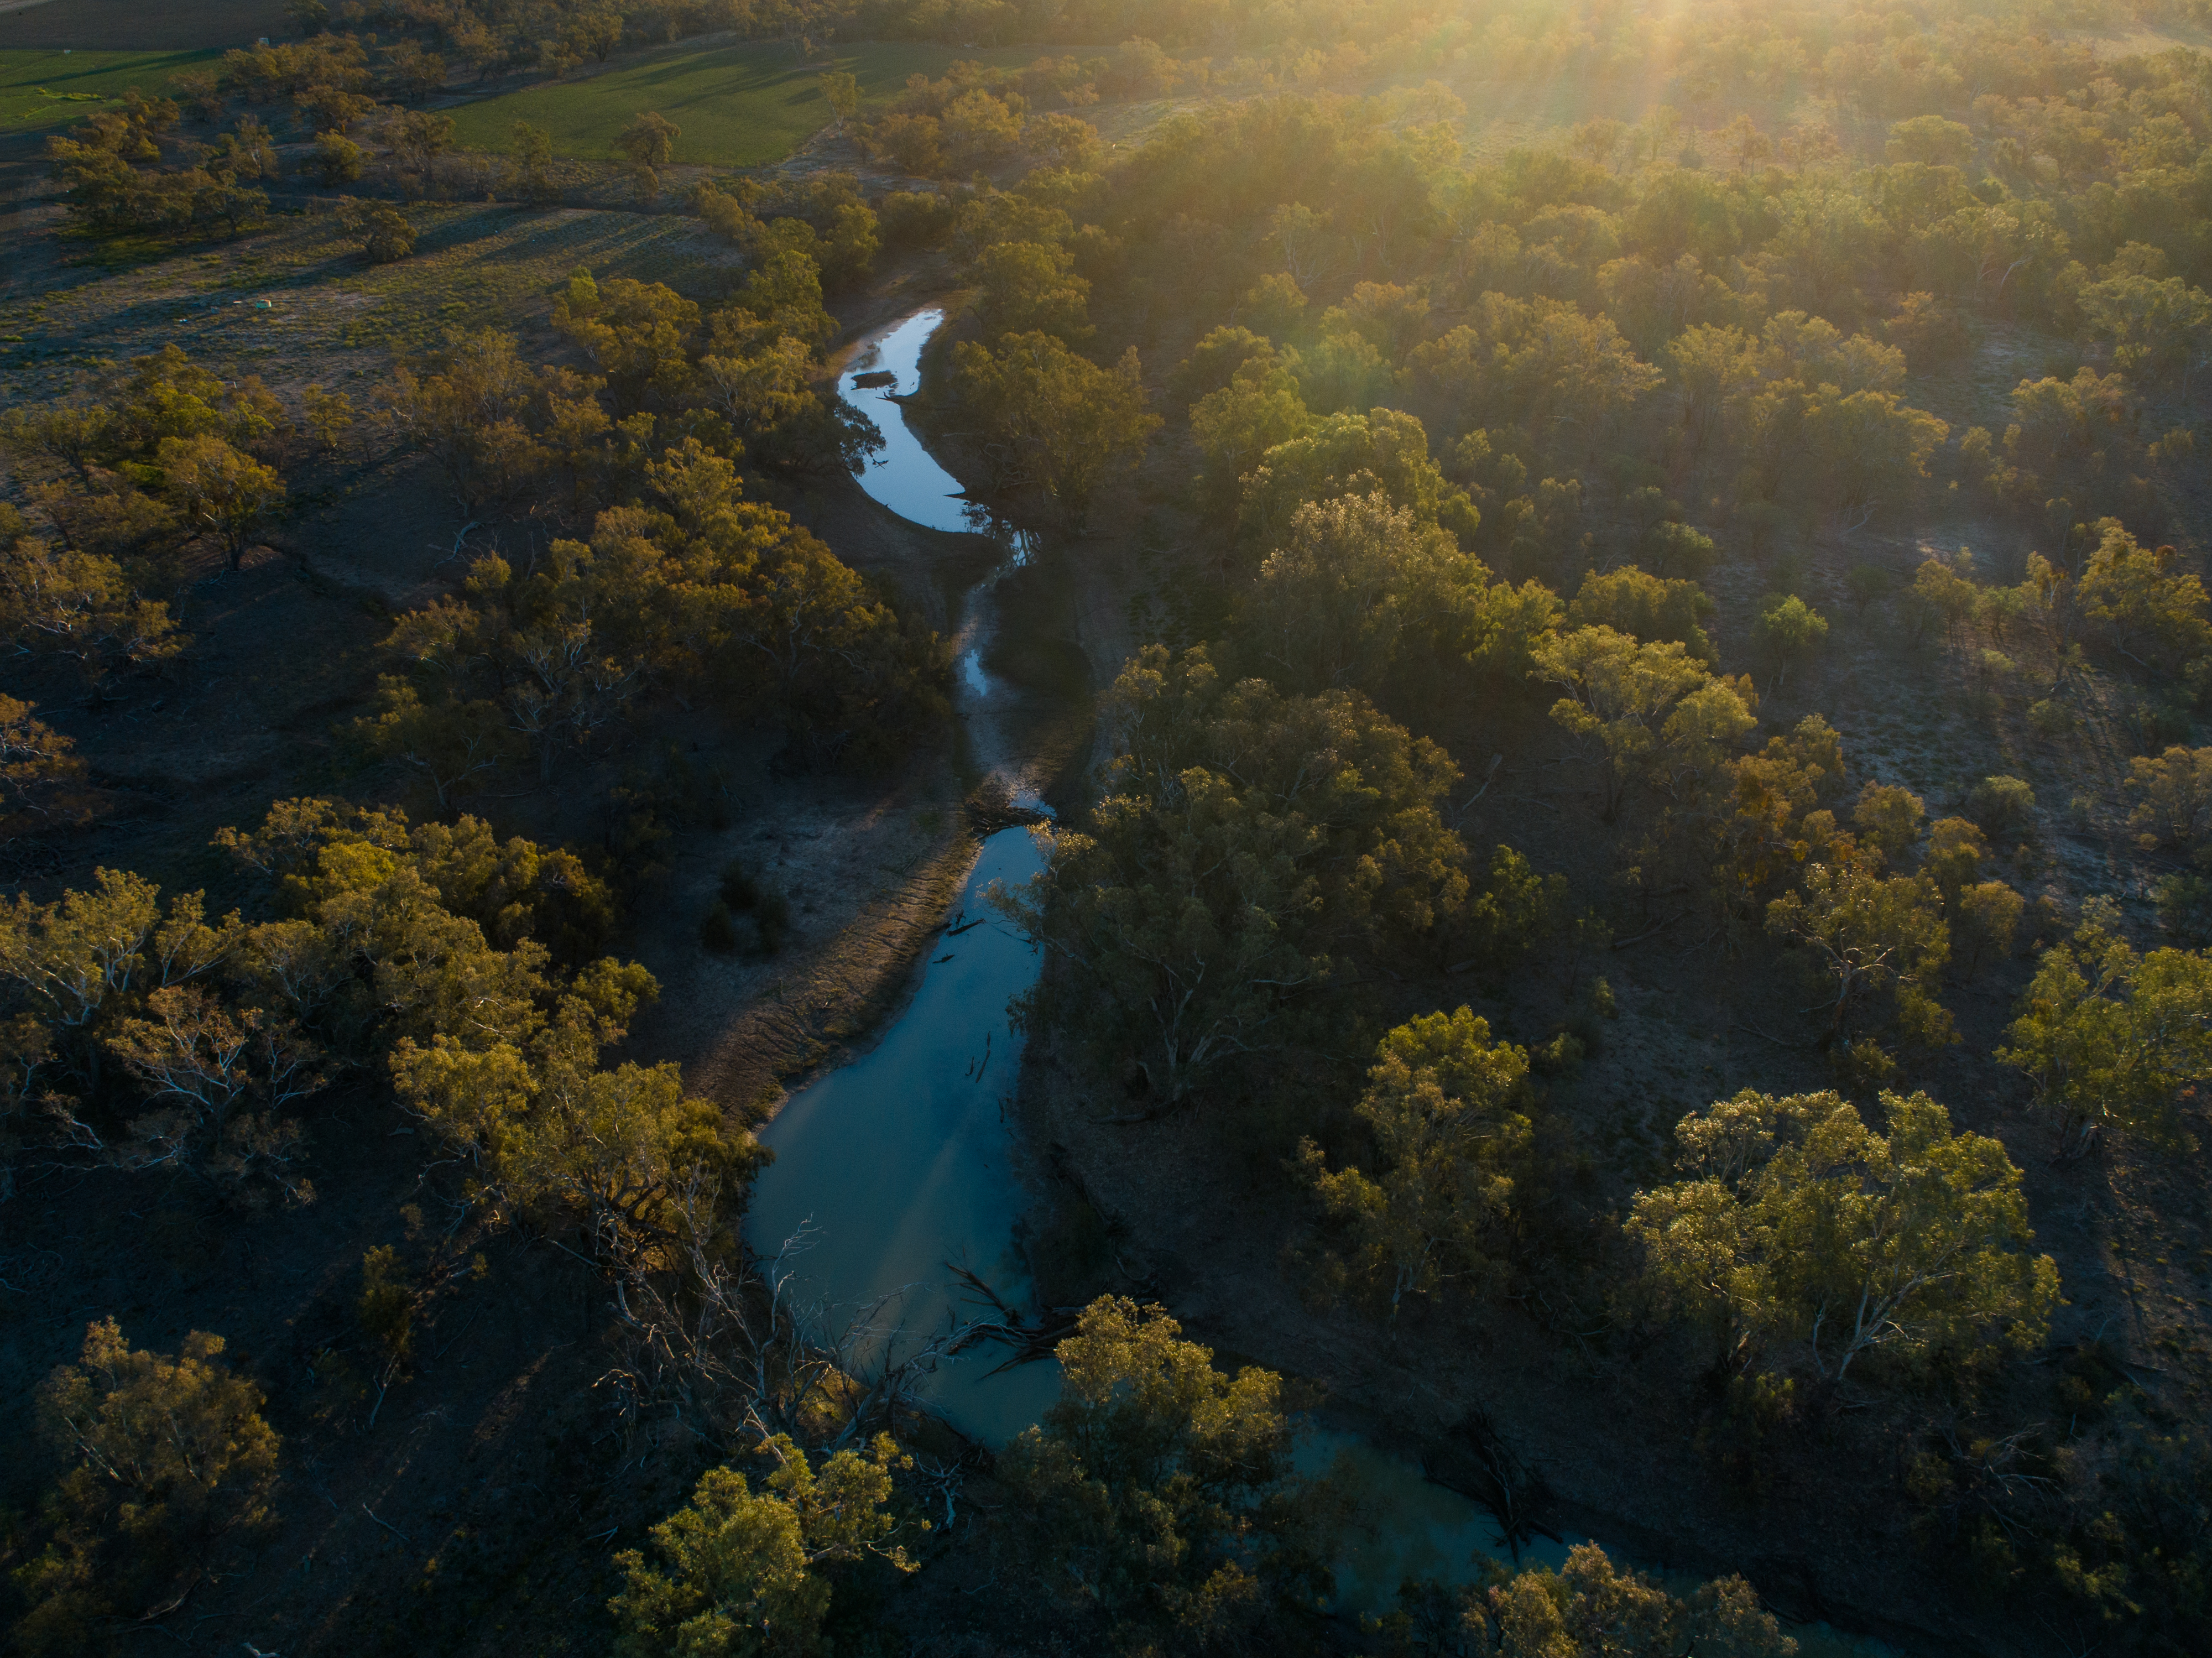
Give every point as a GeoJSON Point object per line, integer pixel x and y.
{"type": "Point", "coordinates": [1477, 1463]}
{"type": "Point", "coordinates": [1030, 1339]}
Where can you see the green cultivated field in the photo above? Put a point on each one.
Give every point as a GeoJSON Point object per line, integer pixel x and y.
{"type": "Point", "coordinates": [76, 84]}
{"type": "Point", "coordinates": [739, 106]}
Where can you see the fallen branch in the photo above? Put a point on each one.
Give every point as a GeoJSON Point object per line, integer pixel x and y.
{"type": "Point", "coordinates": [389, 1527]}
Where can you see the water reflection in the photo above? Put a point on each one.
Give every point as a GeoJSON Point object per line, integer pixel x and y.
{"type": "Point", "coordinates": [902, 474]}
{"type": "Point", "coordinates": [1407, 1528]}
{"type": "Point", "coordinates": [899, 1162]}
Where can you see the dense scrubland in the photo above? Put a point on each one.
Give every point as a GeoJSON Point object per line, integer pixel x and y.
{"type": "Point", "coordinates": [1634, 922]}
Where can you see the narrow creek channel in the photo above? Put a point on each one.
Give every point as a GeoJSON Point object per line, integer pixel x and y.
{"type": "Point", "coordinates": [894, 1170]}
{"type": "Point", "coordinates": [898, 1169]}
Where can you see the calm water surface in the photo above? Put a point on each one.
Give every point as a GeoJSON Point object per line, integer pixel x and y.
{"type": "Point", "coordinates": [898, 1163]}
{"type": "Point", "coordinates": [903, 474]}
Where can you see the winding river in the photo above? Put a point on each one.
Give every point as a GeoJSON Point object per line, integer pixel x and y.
{"type": "Point", "coordinates": [894, 1170]}
{"type": "Point", "coordinates": [897, 1170]}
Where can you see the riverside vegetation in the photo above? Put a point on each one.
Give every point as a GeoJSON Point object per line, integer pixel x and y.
{"type": "Point", "coordinates": [1649, 866]}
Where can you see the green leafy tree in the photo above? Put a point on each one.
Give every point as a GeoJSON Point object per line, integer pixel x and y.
{"type": "Point", "coordinates": [171, 1465]}
{"type": "Point", "coordinates": [1591, 1608]}
{"type": "Point", "coordinates": [331, 109]}
{"type": "Point", "coordinates": [2173, 790]}
{"type": "Point", "coordinates": [840, 90]}
{"type": "Point", "coordinates": [766, 394]}
{"type": "Point", "coordinates": [216, 486]}
{"type": "Point", "coordinates": [1984, 918]}
{"type": "Point", "coordinates": [1236, 424]}
{"type": "Point", "coordinates": [1953, 854]}
{"type": "Point", "coordinates": [336, 159]}
{"type": "Point", "coordinates": [1796, 1222]}
{"type": "Point", "coordinates": [533, 160]}
{"type": "Point", "coordinates": [647, 144]}
{"type": "Point", "coordinates": [2161, 329]}
{"type": "Point", "coordinates": [1065, 142]}
{"type": "Point", "coordinates": [1650, 711]}
{"type": "Point", "coordinates": [219, 1079]}
{"type": "Point", "coordinates": [1252, 848]}
{"type": "Point", "coordinates": [1646, 607]}
{"type": "Point", "coordinates": [329, 416]}
{"type": "Point", "coordinates": [1945, 587]}
{"type": "Point", "coordinates": [1527, 361]}
{"type": "Point", "coordinates": [740, 1573]}
{"type": "Point", "coordinates": [978, 128]}
{"type": "Point", "coordinates": [1889, 817]}
{"type": "Point", "coordinates": [81, 962]}
{"type": "Point", "coordinates": [418, 137]}
{"type": "Point", "coordinates": [593, 32]}
{"type": "Point", "coordinates": [1446, 1109]}
{"type": "Point", "coordinates": [1870, 934]}
{"type": "Point", "coordinates": [449, 742]}
{"type": "Point", "coordinates": [40, 772]}
{"type": "Point", "coordinates": [2111, 1037]}
{"type": "Point", "coordinates": [308, 851]}
{"type": "Point", "coordinates": [385, 232]}
{"type": "Point", "coordinates": [1357, 583]}
{"type": "Point", "coordinates": [1074, 425]}
{"type": "Point", "coordinates": [1765, 815]}
{"type": "Point", "coordinates": [1788, 633]}
{"type": "Point", "coordinates": [81, 607]}
{"type": "Point", "coordinates": [492, 425]}
{"type": "Point", "coordinates": [1030, 288]}
{"type": "Point", "coordinates": [1158, 1496]}
{"type": "Point", "coordinates": [1384, 451]}
{"type": "Point", "coordinates": [2003, 809]}
{"type": "Point", "coordinates": [1867, 448]}
{"type": "Point", "coordinates": [639, 333]}
{"type": "Point", "coordinates": [649, 140]}
{"type": "Point", "coordinates": [2151, 612]}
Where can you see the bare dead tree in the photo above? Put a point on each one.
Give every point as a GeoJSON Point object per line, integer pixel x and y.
{"type": "Point", "coordinates": [728, 1341]}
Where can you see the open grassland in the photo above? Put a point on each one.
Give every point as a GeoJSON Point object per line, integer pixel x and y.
{"type": "Point", "coordinates": [481, 267]}
{"type": "Point", "coordinates": [298, 303]}
{"type": "Point", "coordinates": [143, 25]}
{"type": "Point", "coordinates": [41, 89]}
{"type": "Point", "coordinates": [739, 106]}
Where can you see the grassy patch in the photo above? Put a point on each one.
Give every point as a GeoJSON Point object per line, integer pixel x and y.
{"type": "Point", "coordinates": [738, 105]}
{"type": "Point", "coordinates": [330, 315]}
{"type": "Point", "coordinates": [39, 89]}
{"type": "Point", "coordinates": [478, 267]}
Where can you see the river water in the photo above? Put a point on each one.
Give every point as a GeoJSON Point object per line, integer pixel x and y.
{"type": "Point", "coordinates": [898, 1162]}
{"type": "Point", "coordinates": [896, 1169]}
